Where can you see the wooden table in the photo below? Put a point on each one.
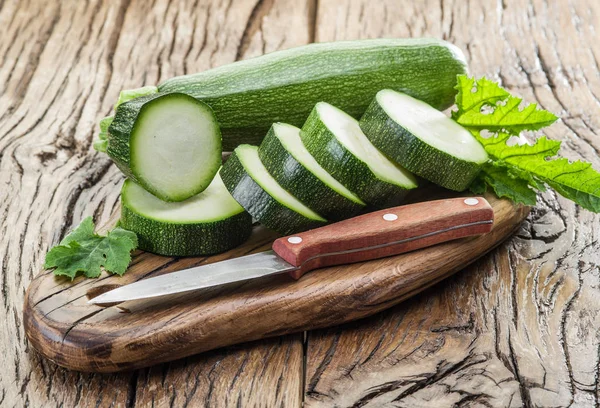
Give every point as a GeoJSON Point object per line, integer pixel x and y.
{"type": "Point", "coordinates": [518, 328]}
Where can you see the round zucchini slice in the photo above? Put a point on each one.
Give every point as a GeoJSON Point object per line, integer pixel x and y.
{"type": "Point", "coordinates": [288, 161]}
{"type": "Point", "coordinates": [170, 144]}
{"type": "Point", "coordinates": [205, 224]}
{"type": "Point", "coordinates": [337, 143]}
{"type": "Point", "coordinates": [423, 140]}
{"type": "Point", "coordinates": [258, 192]}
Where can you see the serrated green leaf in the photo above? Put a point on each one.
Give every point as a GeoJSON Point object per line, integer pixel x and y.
{"type": "Point", "coordinates": [473, 95]}
{"type": "Point", "coordinates": [516, 169]}
{"type": "Point", "coordinates": [84, 251]}
{"type": "Point", "coordinates": [505, 111]}
{"type": "Point", "coordinates": [478, 186]}
{"type": "Point", "coordinates": [504, 184]}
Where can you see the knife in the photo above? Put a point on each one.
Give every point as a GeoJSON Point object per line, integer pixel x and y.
{"type": "Point", "coordinates": [370, 236]}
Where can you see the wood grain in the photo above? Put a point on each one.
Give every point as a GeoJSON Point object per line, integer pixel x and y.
{"type": "Point", "coordinates": [63, 64]}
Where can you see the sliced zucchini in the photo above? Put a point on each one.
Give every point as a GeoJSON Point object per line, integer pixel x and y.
{"type": "Point", "coordinates": [336, 142]}
{"type": "Point", "coordinates": [207, 223]}
{"type": "Point", "coordinates": [170, 144]}
{"type": "Point", "coordinates": [292, 166]}
{"type": "Point", "coordinates": [258, 192]}
{"type": "Point", "coordinates": [423, 140]}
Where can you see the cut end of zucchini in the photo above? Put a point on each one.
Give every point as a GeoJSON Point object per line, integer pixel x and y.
{"type": "Point", "coordinates": [207, 223]}
{"type": "Point", "coordinates": [289, 137]}
{"type": "Point", "coordinates": [431, 126]}
{"type": "Point", "coordinates": [348, 132]}
{"type": "Point", "coordinates": [248, 157]}
{"type": "Point", "coordinates": [175, 147]}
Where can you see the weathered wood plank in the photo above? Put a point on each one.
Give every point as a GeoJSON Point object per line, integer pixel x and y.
{"type": "Point", "coordinates": [520, 328]}
{"type": "Point", "coordinates": [266, 373]}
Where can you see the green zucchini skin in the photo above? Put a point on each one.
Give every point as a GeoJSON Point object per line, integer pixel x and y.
{"type": "Point", "coordinates": [345, 167]}
{"type": "Point", "coordinates": [303, 184]}
{"type": "Point", "coordinates": [256, 201]}
{"type": "Point", "coordinates": [121, 131]}
{"type": "Point", "coordinates": [283, 86]}
{"type": "Point", "coordinates": [185, 239]}
{"type": "Point", "coordinates": [415, 155]}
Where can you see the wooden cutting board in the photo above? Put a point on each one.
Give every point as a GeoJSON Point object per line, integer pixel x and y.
{"type": "Point", "coordinates": [64, 328]}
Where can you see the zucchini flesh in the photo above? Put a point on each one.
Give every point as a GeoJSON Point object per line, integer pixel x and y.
{"type": "Point", "coordinates": [293, 167]}
{"type": "Point", "coordinates": [207, 223]}
{"type": "Point", "coordinates": [258, 192]}
{"type": "Point", "coordinates": [248, 96]}
{"type": "Point", "coordinates": [170, 144]}
{"type": "Point", "coordinates": [337, 143]}
{"type": "Point", "coordinates": [423, 140]}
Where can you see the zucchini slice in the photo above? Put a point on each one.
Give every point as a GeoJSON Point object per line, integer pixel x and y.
{"type": "Point", "coordinates": [292, 166]}
{"type": "Point", "coordinates": [170, 144]}
{"type": "Point", "coordinates": [423, 140]}
{"type": "Point", "coordinates": [336, 142]}
{"type": "Point", "coordinates": [258, 192]}
{"type": "Point", "coordinates": [207, 223]}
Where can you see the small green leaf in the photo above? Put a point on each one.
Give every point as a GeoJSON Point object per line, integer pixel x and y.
{"type": "Point", "coordinates": [84, 251]}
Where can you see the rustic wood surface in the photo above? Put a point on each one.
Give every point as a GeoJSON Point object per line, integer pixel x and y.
{"type": "Point", "coordinates": [518, 328]}
{"type": "Point", "coordinates": [61, 325]}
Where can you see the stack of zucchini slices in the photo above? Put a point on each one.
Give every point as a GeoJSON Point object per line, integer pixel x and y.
{"type": "Point", "coordinates": [335, 165]}
{"type": "Point", "coordinates": [169, 147]}
{"type": "Point", "coordinates": [178, 202]}
{"type": "Point", "coordinates": [302, 178]}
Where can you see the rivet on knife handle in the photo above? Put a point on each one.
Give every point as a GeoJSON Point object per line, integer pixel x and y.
{"type": "Point", "coordinates": [384, 233]}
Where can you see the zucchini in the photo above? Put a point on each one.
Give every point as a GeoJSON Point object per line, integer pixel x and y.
{"type": "Point", "coordinates": [256, 190]}
{"type": "Point", "coordinates": [283, 86]}
{"type": "Point", "coordinates": [207, 223]}
{"type": "Point", "coordinates": [170, 144]}
{"type": "Point", "coordinates": [292, 166]}
{"type": "Point", "coordinates": [336, 142]}
{"type": "Point", "coordinates": [423, 140]}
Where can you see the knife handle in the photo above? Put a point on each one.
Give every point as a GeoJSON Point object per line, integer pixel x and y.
{"type": "Point", "coordinates": [386, 232]}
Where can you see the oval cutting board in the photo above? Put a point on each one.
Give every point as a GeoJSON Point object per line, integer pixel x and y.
{"type": "Point", "coordinates": [64, 328]}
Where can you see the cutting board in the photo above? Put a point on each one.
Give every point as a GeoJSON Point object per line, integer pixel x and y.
{"type": "Point", "coordinates": [64, 328]}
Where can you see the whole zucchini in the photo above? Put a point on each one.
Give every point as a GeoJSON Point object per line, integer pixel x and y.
{"type": "Point", "coordinates": [248, 96]}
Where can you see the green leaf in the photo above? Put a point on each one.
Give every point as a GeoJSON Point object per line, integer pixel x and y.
{"type": "Point", "coordinates": [517, 171]}
{"type": "Point", "coordinates": [505, 184]}
{"type": "Point", "coordinates": [505, 112]}
{"type": "Point", "coordinates": [84, 251]}
{"type": "Point", "coordinates": [478, 186]}
{"type": "Point", "coordinates": [486, 93]}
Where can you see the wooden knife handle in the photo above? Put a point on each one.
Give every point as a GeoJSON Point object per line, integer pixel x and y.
{"type": "Point", "coordinates": [384, 233]}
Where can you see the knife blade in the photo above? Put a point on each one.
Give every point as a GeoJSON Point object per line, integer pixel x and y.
{"type": "Point", "coordinates": [369, 236]}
